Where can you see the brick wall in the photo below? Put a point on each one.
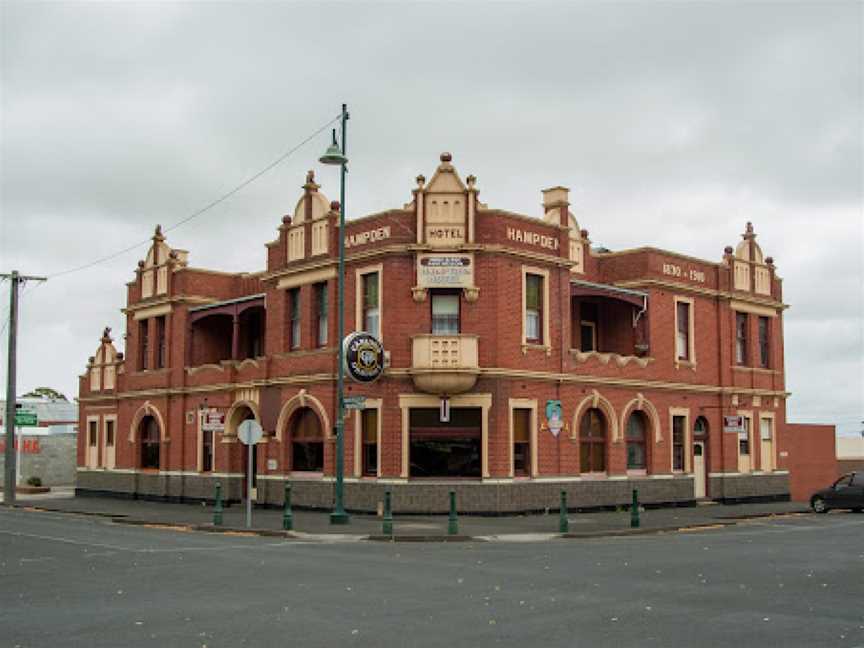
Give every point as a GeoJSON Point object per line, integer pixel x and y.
{"type": "Point", "coordinates": [810, 458]}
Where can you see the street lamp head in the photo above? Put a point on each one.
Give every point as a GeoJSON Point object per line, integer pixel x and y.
{"type": "Point", "coordinates": [333, 155]}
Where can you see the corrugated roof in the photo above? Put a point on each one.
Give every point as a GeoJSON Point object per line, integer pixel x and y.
{"type": "Point", "coordinates": [56, 411]}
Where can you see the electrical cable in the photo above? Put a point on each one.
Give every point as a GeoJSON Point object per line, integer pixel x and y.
{"type": "Point", "coordinates": [204, 209]}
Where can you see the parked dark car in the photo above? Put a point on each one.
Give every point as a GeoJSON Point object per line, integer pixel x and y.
{"type": "Point", "coordinates": [846, 493]}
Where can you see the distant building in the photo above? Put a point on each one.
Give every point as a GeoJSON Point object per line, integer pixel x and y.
{"type": "Point", "coordinates": [47, 450]}
{"type": "Point", "coordinates": [520, 362]}
{"type": "Point", "coordinates": [850, 453]}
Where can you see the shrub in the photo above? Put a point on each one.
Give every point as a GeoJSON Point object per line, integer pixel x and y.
{"type": "Point", "coordinates": [34, 481]}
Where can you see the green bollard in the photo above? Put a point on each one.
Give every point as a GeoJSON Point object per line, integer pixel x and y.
{"type": "Point", "coordinates": [387, 524]}
{"type": "Point", "coordinates": [563, 521]}
{"type": "Point", "coordinates": [287, 516]}
{"type": "Point", "coordinates": [634, 510]}
{"type": "Point", "coordinates": [452, 521]}
{"type": "Point", "coordinates": [217, 510]}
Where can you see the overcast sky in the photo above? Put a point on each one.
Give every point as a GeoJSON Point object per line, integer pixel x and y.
{"type": "Point", "coordinates": [672, 123]}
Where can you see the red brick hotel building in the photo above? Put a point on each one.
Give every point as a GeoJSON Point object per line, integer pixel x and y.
{"type": "Point", "coordinates": [565, 367]}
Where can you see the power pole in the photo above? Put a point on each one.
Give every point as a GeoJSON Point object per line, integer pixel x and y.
{"type": "Point", "coordinates": [9, 420]}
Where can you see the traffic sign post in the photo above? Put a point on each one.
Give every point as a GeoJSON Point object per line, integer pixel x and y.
{"type": "Point", "coordinates": [249, 433]}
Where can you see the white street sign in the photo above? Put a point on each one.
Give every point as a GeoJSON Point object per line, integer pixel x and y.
{"type": "Point", "coordinates": [249, 432]}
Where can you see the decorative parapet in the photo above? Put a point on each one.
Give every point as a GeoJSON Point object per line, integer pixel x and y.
{"type": "Point", "coordinates": [606, 358]}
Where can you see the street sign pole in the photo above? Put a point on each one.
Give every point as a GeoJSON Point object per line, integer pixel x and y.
{"type": "Point", "coordinates": [18, 457]}
{"type": "Point", "coordinates": [249, 450]}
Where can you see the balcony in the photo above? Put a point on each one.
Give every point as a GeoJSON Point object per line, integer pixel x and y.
{"type": "Point", "coordinates": [444, 364]}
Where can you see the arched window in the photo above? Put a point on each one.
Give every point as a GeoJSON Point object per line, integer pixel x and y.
{"type": "Point", "coordinates": [307, 441]}
{"type": "Point", "coordinates": [637, 432]}
{"type": "Point", "coordinates": [148, 431]}
{"type": "Point", "coordinates": [700, 427]}
{"type": "Point", "coordinates": [592, 441]}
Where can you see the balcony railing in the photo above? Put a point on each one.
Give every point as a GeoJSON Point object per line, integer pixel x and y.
{"type": "Point", "coordinates": [444, 364]}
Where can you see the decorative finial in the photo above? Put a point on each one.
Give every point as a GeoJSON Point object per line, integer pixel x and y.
{"type": "Point", "coordinates": [310, 176]}
{"type": "Point", "coordinates": [140, 263]}
{"type": "Point", "coordinates": [748, 231]}
{"type": "Point", "coordinates": [446, 157]}
{"type": "Point", "coordinates": [106, 335]}
{"type": "Point", "coordinates": [769, 261]}
{"type": "Point", "coordinates": [584, 233]}
{"type": "Point", "coordinates": [334, 205]}
{"type": "Point", "coordinates": [286, 219]}
{"type": "Point", "coordinates": [727, 251]}
{"type": "Point", "coordinates": [173, 255]}
{"type": "Point", "coordinates": [471, 180]}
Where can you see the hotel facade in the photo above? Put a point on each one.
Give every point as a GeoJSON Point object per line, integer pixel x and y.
{"type": "Point", "coordinates": [519, 362]}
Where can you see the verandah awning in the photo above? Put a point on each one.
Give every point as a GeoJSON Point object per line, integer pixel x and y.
{"type": "Point", "coordinates": [580, 288]}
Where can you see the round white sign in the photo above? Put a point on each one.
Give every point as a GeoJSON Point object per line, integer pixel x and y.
{"type": "Point", "coordinates": [249, 432]}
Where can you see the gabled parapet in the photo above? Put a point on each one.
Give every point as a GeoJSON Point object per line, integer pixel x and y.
{"type": "Point", "coordinates": [104, 365]}
{"type": "Point", "coordinates": [154, 271]}
{"type": "Point", "coordinates": [751, 271]}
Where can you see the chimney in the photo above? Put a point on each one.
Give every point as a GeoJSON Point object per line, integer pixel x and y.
{"type": "Point", "coordinates": [557, 198]}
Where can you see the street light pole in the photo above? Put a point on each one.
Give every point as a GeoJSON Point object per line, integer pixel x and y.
{"type": "Point", "coordinates": [335, 156]}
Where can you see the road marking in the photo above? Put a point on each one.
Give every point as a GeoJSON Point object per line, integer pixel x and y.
{"type": "Point", "coordinates": [147, 550]}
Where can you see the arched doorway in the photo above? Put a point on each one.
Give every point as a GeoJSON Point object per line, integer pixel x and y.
{"type": "Point", "coordinates": [700, 457]}
{"type": "Point", "coordinates": [148, 434]}
{"type": "Point", "coordinates": [592, 441]}
{"type": "Point", "coordinates": [637, 435]}
{"type": "Point", "coordinates": [307, 441]}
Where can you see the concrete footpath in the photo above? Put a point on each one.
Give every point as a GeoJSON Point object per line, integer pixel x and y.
{"type": "Point", "coordinates": [310, 524]}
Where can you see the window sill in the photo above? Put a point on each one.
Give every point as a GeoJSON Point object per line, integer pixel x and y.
{"type": "Point", "coordinates": [594, 475]}
{"type": "Point", "coordinates": [687, 364]}
{"type": "Point", "coordinates": [765, 370]}
{"type": "Point", "coordinates": [531, 346]}
{"type": "Point", "coordinates": [307, 475]}
{"type": "Point", "coordinates": [637, 472]}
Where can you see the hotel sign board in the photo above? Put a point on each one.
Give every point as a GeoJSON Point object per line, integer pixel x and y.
{"type": "Point", "coordinates": [445, 271]}
{"type": "Point", "coordinates": [213, 421]}
{"type": "Point", "coordinates": [733, 424]}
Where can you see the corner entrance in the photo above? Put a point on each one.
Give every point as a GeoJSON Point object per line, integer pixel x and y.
{"type": "Point", "coordinates": [446, 449]}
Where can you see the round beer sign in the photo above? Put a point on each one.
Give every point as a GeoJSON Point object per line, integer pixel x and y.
{"type": "Point", "coordinates": [364, 357]}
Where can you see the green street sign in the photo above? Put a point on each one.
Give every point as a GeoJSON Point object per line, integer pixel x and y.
{"type": "Point", "coordinates": [354, 402]}
{"type": "Point", "coordinates": [25, 419]}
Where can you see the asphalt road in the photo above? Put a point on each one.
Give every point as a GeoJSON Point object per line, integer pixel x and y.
{"type": "Point", "coordinates": [76, 581]}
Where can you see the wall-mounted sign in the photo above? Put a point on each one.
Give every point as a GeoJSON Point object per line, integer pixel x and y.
{"type": "Point", "coordinates": [532, 238]}
{"type": "Point", "coordinates": [369, 236]}
{"type": "Point", "coordinates": [213, 421]}
{"type": "Point", "coordinates": [733, 424]}
{"type": "Point", "coordinates": [364, 357]}
{"type": "Point", "coordinates": [445, 271]}
{"type": "Point", "coordinates": [443, 234]}
{"type": "Point", "coordinates": [674, 270]}
{"type": "Point", "coordinates": [272, 464]}
{"type": "Point", "coordinates": [554, 417]}
{"type": "Point", "coordinates": [444, 410]}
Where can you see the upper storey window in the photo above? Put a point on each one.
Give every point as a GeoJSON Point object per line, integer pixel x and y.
{"type": "Point", "coordinates": [321, 312]}
{"type": "Point", "coordinates": [294, 307]}
{"type": "Point", "coordinates": [764, 340]}
{"type": "Point", "coordinates": [741, 338]}
{"type": "Point", "coordinates": [445, 313]}
{"type": "Point", "coordinates": [143, 345]}
{"type": "Point", "coordinates": [683, 330]}
{"type": "Point", "coordinates": [534, 309]}
{"type": "Point", "coordinates": [371, 304]}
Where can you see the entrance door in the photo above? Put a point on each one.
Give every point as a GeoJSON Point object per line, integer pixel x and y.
{"type": "Point", "coordinates": [699, 469]}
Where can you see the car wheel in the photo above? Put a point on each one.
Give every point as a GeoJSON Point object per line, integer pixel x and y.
{"type": "Point", "coordinates": [818, 505]}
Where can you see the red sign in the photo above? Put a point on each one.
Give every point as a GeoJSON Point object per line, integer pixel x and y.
{"type": "Point", "coordinates": [30, 446]}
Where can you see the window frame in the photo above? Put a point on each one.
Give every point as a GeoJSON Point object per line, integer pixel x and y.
{"type": "Point", "coordinates": [143, 345]}
{"type": "Point", "coordinates": [161, 342]}
{"type": "Point", "coordinates": [295, 320]}
{"type": "Point", "coordinates": [686, 440]}
{"type": "Point", "coordinates": [360, 309]}
{"type": "Point", "coordinates": [690, 360]}
{"type": "Point", "coordinates": [742, 324]}
{"type": "Point", "coordinates": [544, 312]}
{"type": "Point", "coordinates": [445, 292]}
{"type": "Point", "coordinates": [764, 341]}
{"type": "Point", "coordinates": [322, 313]}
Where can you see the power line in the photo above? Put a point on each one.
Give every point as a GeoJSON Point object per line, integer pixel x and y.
{"type": "Point", "coordinates": [204, 209]}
